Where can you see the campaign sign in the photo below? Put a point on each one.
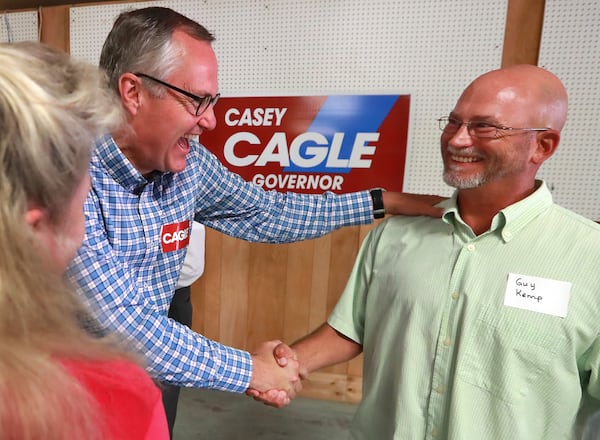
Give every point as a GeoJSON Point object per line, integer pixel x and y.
{"type": "Point", "coordinates": [312, 144]}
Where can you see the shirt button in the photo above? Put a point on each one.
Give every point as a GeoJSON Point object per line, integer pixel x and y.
{"type": "Point", "coordinates": [447, 342]}
{"type": "Point", "coordinates": [435, 432]}
{"type": "Point", "coordinates": [440, 389]}
{"type": "Point", "coordinates": [455, 295]}
{"type": "Point", "coordinates": [471, 247]}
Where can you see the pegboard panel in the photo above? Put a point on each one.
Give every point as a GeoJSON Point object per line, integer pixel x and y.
{"type": "Point", "coordinates": [429, 49]}
{"type": "Point", "coordinates": [89, 26]}
{"type": "Point", "coordinates": [18, 26]}
{"type": "Point", "coordinates": [570, 48]}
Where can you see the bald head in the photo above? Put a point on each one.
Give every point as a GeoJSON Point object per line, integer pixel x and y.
{"type": "Point", "coordinates": [519, 112]}
{"type": "Point", "coordinates": [540, 95]}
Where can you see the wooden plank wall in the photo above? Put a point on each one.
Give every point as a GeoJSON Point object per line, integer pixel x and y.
{"type": "Point", "coordinates": [255, 292]}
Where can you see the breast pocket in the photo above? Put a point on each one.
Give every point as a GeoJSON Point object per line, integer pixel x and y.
{"type": "Point", "coordinates": [510, 357]}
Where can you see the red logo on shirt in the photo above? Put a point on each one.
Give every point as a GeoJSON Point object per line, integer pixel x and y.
{"type": "Point", "coordinates": [175, 236]}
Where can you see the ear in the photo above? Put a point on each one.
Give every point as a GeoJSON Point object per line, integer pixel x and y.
{"type": "Point", "coordinates": [42, 230]}
{"type": "Point", "coordinates": [39, 222]}
{"type": "Point", "coordinates": [547, 142]}
{"type": "Point", "coordinates": [35, 217]}
{"type": "Point", "coordinates": [130, 92]}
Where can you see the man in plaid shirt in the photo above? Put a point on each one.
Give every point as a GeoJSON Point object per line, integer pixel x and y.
{"type": "Point", "coordinates": [152, 178]}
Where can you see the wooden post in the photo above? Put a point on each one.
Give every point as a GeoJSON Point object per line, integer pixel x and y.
{"type": "Point", "coordinates": [53, 25]}
{"type": "Point", "coordinates": [523, 32]}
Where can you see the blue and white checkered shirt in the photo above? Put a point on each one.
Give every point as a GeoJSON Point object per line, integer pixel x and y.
{"type": "Point", "coordinates": [129, 281]}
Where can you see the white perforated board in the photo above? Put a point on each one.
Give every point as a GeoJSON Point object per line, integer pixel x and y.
{"type": "Point", "coordinates": [570, 48]}
{"type": "Point", "coordinates": [18, 26]}
{"type": "Point", "coordinates": [430, 49]}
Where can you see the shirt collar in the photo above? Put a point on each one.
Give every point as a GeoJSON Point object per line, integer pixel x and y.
{"type": "Point", "coordinates": [118, 166]}
{"type": "Point", "coordinates": [510, 220]}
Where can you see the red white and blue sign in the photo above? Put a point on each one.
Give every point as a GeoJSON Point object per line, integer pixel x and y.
{"type": "Point", "coordinates": [312, 144]}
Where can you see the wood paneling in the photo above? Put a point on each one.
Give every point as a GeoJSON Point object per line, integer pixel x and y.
{"type": "Point", "coordinates": [253, 292]}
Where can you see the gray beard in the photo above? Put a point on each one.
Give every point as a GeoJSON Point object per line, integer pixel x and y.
{"type": "Point", "coordinates": [468, 183]}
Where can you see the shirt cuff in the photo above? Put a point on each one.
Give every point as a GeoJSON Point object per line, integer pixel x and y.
{"type": "Point", "coordinates": [236, 371]}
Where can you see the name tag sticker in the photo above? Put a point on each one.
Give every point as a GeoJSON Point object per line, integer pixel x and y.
{"type": "Point", "coordinates": [175, 236]}
{"type": "Point", "coordinates": [541, 295]}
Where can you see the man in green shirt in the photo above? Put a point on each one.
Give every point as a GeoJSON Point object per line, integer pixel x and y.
{"type": "Point", "coordinates": [484, 324]}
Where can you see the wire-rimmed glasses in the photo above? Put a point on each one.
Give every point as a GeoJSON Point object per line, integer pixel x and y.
{"type": "Point", "coordinates": [480, 129]}
{"type": "Point", "coordinates": [203, 102]}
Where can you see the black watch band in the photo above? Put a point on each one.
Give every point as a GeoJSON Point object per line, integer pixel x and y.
{"type": "Point", "coordinates": [377, 198]}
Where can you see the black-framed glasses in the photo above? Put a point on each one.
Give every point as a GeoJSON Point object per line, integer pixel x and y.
{"type": "Point", "coordinates": [203, 102]}
{"type": "Point", "coordinates": [480, 129]}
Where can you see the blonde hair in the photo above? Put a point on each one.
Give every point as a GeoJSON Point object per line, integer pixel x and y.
{"type": "Point", "coordinates": [51, 110]}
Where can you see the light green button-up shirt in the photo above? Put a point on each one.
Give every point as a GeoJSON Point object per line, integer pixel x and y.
{"type": "Point", "coordinates": [445, 357]}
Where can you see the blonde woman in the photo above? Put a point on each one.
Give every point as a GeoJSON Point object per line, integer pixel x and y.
{"type": "Point", "coordinates": [56, 382]}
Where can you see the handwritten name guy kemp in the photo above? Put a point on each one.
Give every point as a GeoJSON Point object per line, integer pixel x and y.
{"type": "Point", "coordinates": [526, 290]}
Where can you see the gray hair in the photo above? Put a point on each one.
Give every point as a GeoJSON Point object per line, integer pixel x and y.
{"type": "Point", "coordinates": [141, 41]}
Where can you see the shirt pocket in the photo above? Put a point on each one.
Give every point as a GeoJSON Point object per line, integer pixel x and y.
{"type": "Point", "coordinates": [508, 358]}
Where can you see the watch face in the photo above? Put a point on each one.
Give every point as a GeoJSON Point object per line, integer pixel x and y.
{"type": "Point", "coordinates": [377, 198]}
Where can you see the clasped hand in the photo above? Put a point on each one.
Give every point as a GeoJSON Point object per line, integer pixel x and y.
{"type": "Point", "coordinates": [276, 374]}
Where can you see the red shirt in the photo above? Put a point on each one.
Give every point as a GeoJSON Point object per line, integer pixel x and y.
{"type": "Point", "coordinates": [130, 401]}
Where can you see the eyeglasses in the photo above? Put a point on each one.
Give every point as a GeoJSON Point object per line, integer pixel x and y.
{"type": "Point", "coordinates": [479, 129]}
{"type": "Point", "coordinates": [203, 102]}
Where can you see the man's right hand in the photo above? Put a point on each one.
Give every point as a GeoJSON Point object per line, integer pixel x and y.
{"type": "Point", "coordinates": [268, 374]}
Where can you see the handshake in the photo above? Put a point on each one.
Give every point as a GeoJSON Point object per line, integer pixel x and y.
{"type": "Point", "coordinates": [278, 369]}
{"type": "Point", "coordinates": [276, 374]}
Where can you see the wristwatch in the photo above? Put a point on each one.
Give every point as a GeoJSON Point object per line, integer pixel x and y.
{"type": "Point", "coordinates": [377, 198]}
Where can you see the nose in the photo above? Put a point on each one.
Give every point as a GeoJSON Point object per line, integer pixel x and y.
{"type": "Point", "coordinates": [462, 137]}
{"type": "Point", "coordinates": [207, 120]}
